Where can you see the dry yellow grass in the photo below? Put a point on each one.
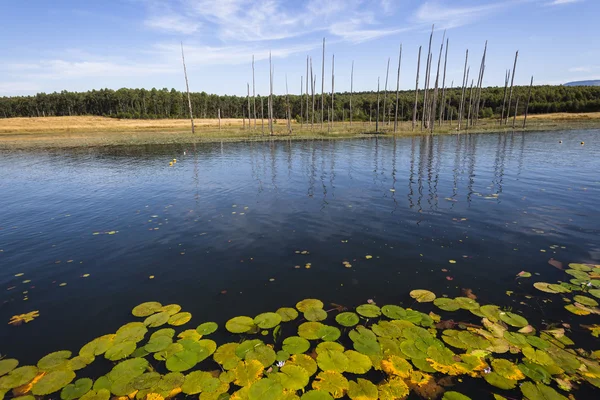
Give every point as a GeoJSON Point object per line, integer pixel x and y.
{"type": "Point", "coordinates": [566, 116]}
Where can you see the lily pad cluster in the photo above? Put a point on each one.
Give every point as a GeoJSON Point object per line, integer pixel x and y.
{"type": "Point", "coordinates": [308, 352]}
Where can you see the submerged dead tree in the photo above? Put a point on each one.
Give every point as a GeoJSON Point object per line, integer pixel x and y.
{"type": "Point", "coordinates": [270, 106]}
{"type": "Point", "coordinates": [479, 85]}
{"type": "Point", "coordinates": [323, 85]}
{"type": "Point", "coordinates": [432, 112]}
{"type": "Point", "coordinates": [398, 89]}
{"type": "Point", "coordinates": [414, 122]}
{"type": "Point", "coordinates": [462, 96]}
{"type": "Point", "coordinates": [377, 119]}
{"type": "Point", "coordinates": [506, 79]}
{"type": "Point", "coordinates": [332, 88]}
{"type": "Point", "coordinates": [187, 87]}
{"type": "Point", "coordinates": [527, 104]}
{"type": "Point", "coordinates": [387, 73]}
{"type": "Point", "coordinates": [306, 91]}
{"type": "Point", "coordinates": [512, 81]}
{"type": "Point", "coordinates": [425, 115]}
{"type": "Point", "coordinates": [301, 102]}
{"type": "Point", "coordinates": [253, 92]}
{"type": "Point", "coordinates": [351, 89]}
{"type": "Point", "coordinates": [443, 101]}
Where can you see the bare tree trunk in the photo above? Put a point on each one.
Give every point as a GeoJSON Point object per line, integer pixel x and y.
{"type": "Point", "coordinates": [432, 113]}
{"type": "Point", "coordinates": [506, 79]}
{"type": "Point", "coordinates": [262, 114]}
{"type": "Point", "coordinates": [332, 88]}
{"type": "Point", "coordinates": [470, 104]}
{"type": "Point", "coordinates": [187, 86]}
{"type": "Point", "coordinates": [312, 91]}
{"type": "Point", "coordinates": [424, 117]}
{"type": "Point", "coordinates": [416, 91]}
{"type": "Point", "coordinates": [397, 90]}
{"type": "Point", "coordinates": [323, 85]}
{"type": "Point", "coordinates": [307, 90]}
{"type": "Point", "coordinates": [512, 81]}
{"type": "Point", "coordinates": [377, 119]}
{"type": "Point", "coordinates": [387, 73]}
{"type": "Point", "coordinates": [351, 89]}
{"type": "Point", "coordinates": [527, 105]}
{"type": "Point", "coordinates": [480, 84]}
{"type": "Point", "coordinates": [287, 107]}
{"type": "Point", "coordinates": [301, 103]}
{"type": "Point", "coordinates": [219, 116]}
{"type": "Point", "coordinates": [249, 124]}
{"type": "Point", "coordinates": [462, 97]}
{"type": "Point", "coordinates": [253, 92]}
{"type": "Point", "coordinates": [516, 110]}
{"type": "Point", "coordinates": [443, 102]}
{"type": "Point", "coordinates": [270, 94]}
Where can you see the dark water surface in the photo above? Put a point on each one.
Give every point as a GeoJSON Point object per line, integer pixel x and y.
{"type": "Point", "coordinates": [232, 218]}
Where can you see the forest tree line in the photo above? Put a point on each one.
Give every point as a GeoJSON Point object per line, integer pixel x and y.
{"type": "Point", "coordinates": [164, 103]}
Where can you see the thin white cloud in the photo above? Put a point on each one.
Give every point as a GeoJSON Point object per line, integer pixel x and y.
{"type": "Point", "coordinates": [584, 68]}
{"type": "Point", "coordinates": [173, 23]}
{"type": "Point", "coordinates": [450, 16]}
{"type": "Point", "coordinates": [562, 2]}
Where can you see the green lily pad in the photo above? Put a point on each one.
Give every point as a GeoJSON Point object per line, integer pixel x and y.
{"type": "Point", "coordinates": [240, 324]}
{"type": "Point", "coordinates": [466, 303]}
{"type": "Point", "coordinates": [422, 296]}
{"type": "Point", "coordinates": [158, 343]}
{"type": "Point", "coordinates": [168, 352]}
{"type": "Point", "coordinates": [265, 389]}
{"type": "Point", "coordinates": [393, 312]}
{"type": "Point", "coordinates": [168, 332]}
{"type": "Point", "coordinates": [499, 381]}
{"type": "Point", "coordinates": [52, 382]}
{"type": "Point", "coordinates": [309, 330]}
{"type": "Point", "coordinates": [332, 382]}
{"type": "Point", "coordinates": [207, 328]}
{"type": "Point", "coordinates": [362, 389]}
{"type": "Point", "coordinates": [267, 320]}
{"type": "Point", "coordinates": [539, 391]}
{"type": "Point", "coordinates": [513, 319]}
{"type": "Point", "coordinates": [146, 309]}
{"type": "Point", "coordinates": [263, 353]}
{"type": "Point", "coordinates": [199, 381]}
{"type": "Point", "coordinates": [120, 351]}
{"type": "Point", "coordinates": [170, 309]}
{"type": "Point", "coordinates": [586, 301]}
{"type": "Point", "coordinates": [7, 365]}
{"type": "Point", "coordinates": [77, 389]}
{"type": "Point", "coordinates": [304, 305]}
{"type": "Point", "coordinates": [296, 345]}
{"type": "Point", "coordinates": [357, 363]}
{"type": "Point", "coordinates": [347, 319]}
{"type": "Point", "coordinates": [580, 267]}
{"type": "Point", "coordinates": [225, 355]}
{"type": "Point", "coordinates": [332, 361]}
{"type": "Point", "coordinates": [578, 274]}
{"type": "Point", "coordinates": [369, 310]}
{"type": "Point", "coordinates": [387, 329]}
{"type": "Point", "coordinates": [246, 346]}
{"type": "Point", "coordinates": [451, 395]}
{"type": "Point", "coordinates": [18, 377]}
{"type": "Point", "coordinates": [535, 372]}
{"type": "Point", "coordinates": [191, 334]}
{"type": "Point", "coordinates": [595, 293]}
{"type": "Point", "coordinates": [54, 360]}
{"type": "Point", "coordinates": [182, 361]}
{"type": "Point", "coordinates": [156, 320]}
{"type": "Point", "coordinates": [316, 395]}
{"type": "Point", "coordinates": [179, 319]}
{"type": "Point", "coordinates": [293, 377]}
{"type": "Point", "coordinates": [446, 304]}
{"type": "Point", "coordinates": [315, 314]}
{"type": "Point", "coordinates": [287, 314]}
{"type": "Point", "coordinates": [101, 394]}
{"type": "Point", "coordinates": [328, 333]}
{"type": "Point", "coordinates": [130, 333]}
{"type": "Point", "coordinates": [491, 312]}
{"type": "Point", "coordinates": [146, 381]}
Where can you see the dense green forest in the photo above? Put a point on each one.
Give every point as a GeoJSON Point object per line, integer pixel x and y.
{"type": "Point", "coordinates": [164, 103]}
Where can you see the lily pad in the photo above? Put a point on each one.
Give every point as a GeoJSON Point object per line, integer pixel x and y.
{"type": "Point", "coordinates": [422, 296]}
{"type": "Point", "coordinates": [182, 361]}
{"type": "Point", "coordinates": [296, 345]}
{"type": "Point", "coordinates": [446, 304]}
{"type": "Point", "coordinates": [52, 382]}
{"type": "Point", "coordinates": [304, 305]}
{"type": "Point", "coordinates": [499, 381]}
{"type": "Point", "coordinates": [287, 314]}
{"type": "Point", "coordinates": [362, 389]}
{"type": "Point", "coordinates": [539, 391]}
{"type": "Point", "coordinates": [18, 377]}
{"type": "Point", "coordinates": [535, 372]}
{"type": "Point", "coordinates": [267, 320]}
{"type": "Point", "coordinates": [466, 303]}
{"type": "Point", "coordinates": [199, 381]}
{"type": "Point", "coordinates": [120, 351]}
{"type": "Point", "coordinates": [157, 320]}
{"type": "Point", "coordinates": [315, 314]}
{"type": "Point", "coordinates": [179, 319]}
{"type": "Point", "coordinates": [316, 395]}
{"type": "Point", "coordinates": [101, 394]}
{"type": "Point", "coordinates": [347, 319]}
{"type": "Point", "coordinates": [332, 382]}
{"type": "Point", "coordinates": [393, 312]}
{"type": "Point", "coordinates": [225, 355]}
{"type": "Point", "coordinates": [170, 309]}
{"type": "Point", "coordinates": [357, 363]}
{"type": "Point", "coordinates": [332, 361]}
{"type": "Point", "coordinates": [293, 377]}
{"type": "Point", "coordinates": [240, 324]}
{"type": "Point", "coordinates": [513, 319]}
{"type": "Point", "coordinates": [451, 395]}
{"type": "Point", "coordinates": [77, 389]}
{"type": "Point", "coordinates": [158, 343]}
{"type": "Point", "coordinates": [54, 360]}
{"type": "Point", "coordinates": [207, 328]}
{"type": "Point", "coordinates": [586, 301]}
{"type": "Point", "coordinates": [369, 310]}
{"type": "Point", "coordinates": [309, 330]}
{"type": "Point", "coordinates": [146, 309]}
{"type": "Point", "coordinates": [265, 389]}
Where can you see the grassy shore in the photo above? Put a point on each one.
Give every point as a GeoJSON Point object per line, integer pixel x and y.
{"type": "Point", "coordinates": [99, 131]}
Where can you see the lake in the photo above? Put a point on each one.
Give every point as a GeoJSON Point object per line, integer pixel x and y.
{"type": "Point", "coordinates": [231, 228]}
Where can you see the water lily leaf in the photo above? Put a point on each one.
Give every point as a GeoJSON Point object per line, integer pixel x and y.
{"type": "Point", "coordinates": [516, 339]}
{"type": "Point", "coordinates": [550, 288]}
{"type": "Point", "coordinates": [190, 334]}
{"type": "Point", "coordinates": [18, 377]}
{"type": "Point", "coordinates": [248, 372]}
{"type": "Point", "coordinates": [146, 309]}
{"type": "Point", "coordinates": [539, 391]}
{"type": "Point", "coordinates": [586, 301]}
{"type": "Point", "coordinates": [146, 381]}
{"type": "Point", "coordinates": [239, 324]}
{"type": "Point", "coordinates": [332, 361]}
{"type": "Point", "coordinates": [513, 319]}
{"type": "Point", "coordinates": [265, 389]}
{"type": "Point", "coordinates": [422, 296]}
{"type": "Point", "coordinates": [304, 305]}
{"type": "Point", "coordinates": [410, 350]}
{"type": "Point", "coordinates": [287, 314]}
{"type": "Point", "coordinates": [52, 382]}
{"type": "Point", "coordinates": [446, 304]}
{"type": "Point", "coordinates": [362, 389]}
{"type": "Point", "coordinates": [578, 274]}
{"type": "Point", "coordinates": [328, 333]}
{"type": "Point", "coordinates": [76, 390]}
{"type": "Point", "coordinates": [168, 352]}
{"type": "Point", "coordinates": [369, 310]}
{"type": "Point", "coordinates": [595, 292]}
{"type": "Point", "coordinates": [507, 369]}
{"type": "Point", "coordinates": [207, 328]}
{"type": "Point", "coordinates": [182, 361]}
{"type": "Point", "coordinates": [130, 333]}
{"type": "Point", "coordinates": [332, 382]}
{"type": "Point", "coordinates": [158, 343]}
{"type": "Point", "coordinates": [120, 351]}
{"type": "Point", "coordinates": [580, 267]}
{"type": "Point", "coordinates": [316, 395]}
{"type": "Point", "coordinates": [180, 319]}
{"type": "Point", "coordinates": [156, 320]}
{"type": "Point", "coordinates": [315, 314]}
{"type": "Point", "coordinates": [128, 369]}
{"type": "Point", "coordinates": [577, 310]}
{"type": "Point", "coordinates": [122, 387]}
{"type": "Point", "coordinates": [170, 309]}
{"type": "Point", "coordinates": [282, 355]}
{"type": "Point", "coordinates": [171, 381]}
{"type": "Point", "coordinates": [54, 360]}
{"type": "Point", "coordinates": [393, 312]}
{"type": "Point", "coordinates": [467, 303]}
{"type": "Point", "coordinates": [263, 353]}
{"type": "Point", "coordinates": [267, 320]}
{"type": "Point", "coordinates": [393, 389]}
{"type": "Point", "coordinates": [304, 361]}
{"type": "Point", "coordinates": [225, 355]}
{"type": "Point", "coordinates": [538, 356]}
{"type": "Point", "coordinates": [102, 394]}
{"type": "Point", "coordinates": [347, 319]}
{"type": "Point", "coordinates": [423, 365]}
{"type": "Point", "coordinates": [455, 396]}
{"type": "Point", "coordinates": [491, 312]}
{"type": "Point", "coordinates": [295, 345]}
{"type": "Point", "coordinates": [198, 381]}
{"type": "Point", "coordinates": [328, 347]}
{"type": "Point", "coordinates": [535, 372]}
{"type": "Point", "coordinates": [394, 365]}
{"type": "Point", "coordinates": [246, 346]}
{"type": "Point", "coordinates": [168, 332]}
{"type": "Point", "coordinates": [537, 342]}
{"type": "Point", "coordinates": [357, 363]}
{"type": "Point", "coordinates": [7, 365]}
{"type": "Point", "coordinates": [499, 381]}
{"type": "Point", "coordinates": [387, 329]}
{"type": "Point", "coordinates": [293, 377]}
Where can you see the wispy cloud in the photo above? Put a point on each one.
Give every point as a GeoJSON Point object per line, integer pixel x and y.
{"type": "Point", "coordinates": [173, 23]}
{"type": "Point", "coordinates": [448, 16]}
{"type": "Point", "coordinates": [561, 2]}
{"type": "Point", "coordinates": [584, 68]}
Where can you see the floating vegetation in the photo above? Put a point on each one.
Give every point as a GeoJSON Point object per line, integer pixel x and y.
{"type": "Point", "coordinates": [371, 352]}
{"type": "Point", "coordinates": [19, 319]}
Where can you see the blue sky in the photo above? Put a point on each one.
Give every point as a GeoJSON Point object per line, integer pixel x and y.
{"type": "Point", "coordinates": [80, 45]}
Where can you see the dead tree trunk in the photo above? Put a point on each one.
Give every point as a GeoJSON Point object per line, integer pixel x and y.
{"type": "Point", "coordinates": [270, 95]}
{"type": "Point", "coordinates": [187, 87]}
{"type": "Point", "coordinates": [516, 110]}
{"type": "Point", "coordinates": [462, 97]}
{"type": "Point", "coordinates": [377, 118]}
{"type": "Point", "coordinates": [313, 78]}
{"type": "Point", "coordinates": [397, 90]}
{"type": "Point", "coordinates": [287, 107]}
{"type": "Point", "coordinates": [351, 89]}
{"type": "Point", "coordinates": [506, 79]}
{"type": "Point", "coordinates": [479, 85]}
{"type": "Point", "coordinates": [332, 88]}
{"type": "Point", "coordinates": [301, 103]}
{"type": "Point", "coordinates": [323, 85]}
{"type": "Point", "coordinates": [387, 73]}
{"type": "Point", "coordinates": [427, 77]}
{"type": "Point", "coordinates": [512, 81]}
{"type": "Point", "coordinates": [443, 102]}
{"type": "Point", "coordinates": [307, 90]}
{"type": "Point", "coordinates": [253, 92]}
{"type": "Point", "coordinates": [219, 116]}
{"type": "Point", "coordinates": [527, 104]}
{"type": "Point", "coordinates": [433, 110]}
{"type": "Point", "coordinates": [414, 122]}
{"type": "Point", "coordinates": [249, 106]}
{"type": "Point", "coordinates": [262, 114]}
{"type": "Point", "coordinates": [470, 104]}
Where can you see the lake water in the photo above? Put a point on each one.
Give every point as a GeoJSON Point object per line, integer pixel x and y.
{"type": "Point", "coordinates": [223, 230]}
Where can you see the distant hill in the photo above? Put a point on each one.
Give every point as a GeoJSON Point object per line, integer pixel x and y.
{"type": "Point", "coordinates": [583, 83]}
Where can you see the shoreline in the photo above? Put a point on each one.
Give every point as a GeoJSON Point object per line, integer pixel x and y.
{"type": "Point", "coordinates": [77, 132]}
